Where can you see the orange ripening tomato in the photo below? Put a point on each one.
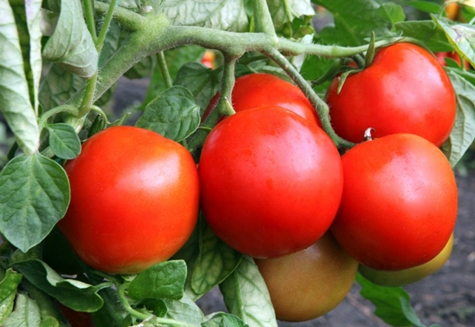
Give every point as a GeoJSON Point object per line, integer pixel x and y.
{"type": "Point", "coordinates": [411, 275]}
{"type": "Point", "coordinates": [134, 200]}
{"type": "Point", "coordinates": [309, 283]}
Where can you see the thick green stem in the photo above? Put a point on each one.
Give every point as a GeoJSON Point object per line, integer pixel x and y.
{"type": "Point", "coordinates": [320, 105]}
{"type": "Point", "coordinates": [88, 98]}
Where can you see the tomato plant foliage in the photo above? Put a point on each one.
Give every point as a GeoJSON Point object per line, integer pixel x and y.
{"type": "Point", "coordinates": [60, 65]}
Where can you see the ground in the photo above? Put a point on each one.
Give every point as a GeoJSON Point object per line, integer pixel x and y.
{"type": "Point", "coordinates": [446, 298]}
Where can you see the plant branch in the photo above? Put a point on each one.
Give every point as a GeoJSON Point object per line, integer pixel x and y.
{"type": "Point", "coordinates": [320, 105]}
{"type": "Point", "coordinates": [264, 23]}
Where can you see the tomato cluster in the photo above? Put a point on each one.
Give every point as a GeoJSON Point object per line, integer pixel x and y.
{"type": "Point", "coordinates": [273, 185]}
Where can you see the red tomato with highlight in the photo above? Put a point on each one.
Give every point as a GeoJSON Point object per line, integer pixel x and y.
{"type": "Point", "coordinates": [404, 90]}
{"type": "Point", "coordinates": [134, 200]}
{"type": "Point", "coordinates": [399, 202]}
{"type": "Point", "coordinates": [271, 181]}
{"type": "Point", "coordinates": [266, 90]}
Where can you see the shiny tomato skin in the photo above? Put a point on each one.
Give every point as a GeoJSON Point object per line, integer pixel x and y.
{"type": "Point", "coordinates": [404, 90]}
{"type": "Point", "coordinates": [134, 200]}
{"type": "Point", "coordinates": [267, 90]}
{"type": "Point", "coordinates": [309, 283]}
{"type": "Point", "coordinates": [398, 278]}
{"type": "Point", "coordinates": [399, 202]}
{"type": "Point", "coordinates": [271, 181]}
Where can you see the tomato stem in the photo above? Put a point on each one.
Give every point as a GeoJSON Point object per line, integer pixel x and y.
{"type": "Point", "coordinates": [105, 26]}
{"type": "Point", "coordinates": [127, 18]}
{"type": "Point", "coordinates": [162, 65]}
{"type": "Point", "coordinates": [263, 19]}
{"type": "Point", "coordinates": [89, 13]}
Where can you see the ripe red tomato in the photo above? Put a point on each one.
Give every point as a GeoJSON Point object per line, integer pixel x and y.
{"type": "Point", "coordinates": [309, 283]}
{"type": "Point", "coordinates": [404, 90]}
{"type": "Point", "coordinates": [399, 202]}
{"type": "Point", "coordinates": [411, 275]}
{"type": "Point", "coordinates": [266, 90]}
{"type": "Point", "coordinates": [134, 200]}
{"type": "Point", "coordinates": [271, 181]}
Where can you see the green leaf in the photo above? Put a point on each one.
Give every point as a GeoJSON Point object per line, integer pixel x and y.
{"type": "Point", "coordinates": [426, 31]}
{"type": "Point", "coordinates": [28, 20]}
{"type": "Point", "coordinates": [15, 103]}
{"type": "Point", "coordinates": [8, 290]}
{"type": "Point", "coordinates": [410, 313]}
{"type": "Point", "coordinates": [111, 42]}
{"type": "Point", "coordinates": [463, 132]}
{"type": "Point", "coordinates": [245, 295]}
{"type": "Point", "coordinates": [58, 86]}
{"type": "Point", "coordinates": [284, 11]}
{"type": "Point", "coordinates": [71, 44]}
{"type": "Point", "coordinates": [64, 141]}
{"type": "Point", "coordinates": [393, 12]}
{"type": "Point", "coordinates": [26, 313]}
{"type": "Point", "coordinates": [173, 114]}
{"type": "Point", "coordinates": [34, 195]}
{"type": "Point", "coordinates": [163, 280]}
{"type": "Point", "coordinates": [226, 15]}
{"type": "Point", "coordinates": [222, 319]}
{"type": "Point", "coordinates": [200, 80]}
{"type": "Point", "coordinates": [141, 69]}
{"type": "Point", "coordinates": [215, 262]}
{"type": "Point", "coordinates": [426, 6]}
{"type": "Point", "coordinates": [189, 253]}
{"type": "Point", "coordinates": [387, 301]}
{"type": "Point", "coordinates": [184, 310]}
{"type": "Point", "coordinates": [354, 21]}
{"type": "Point", "coordinates": [461, 37]}
{"type": "Point", "coordinates": [73, 293]}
